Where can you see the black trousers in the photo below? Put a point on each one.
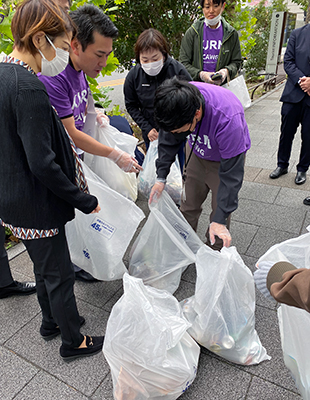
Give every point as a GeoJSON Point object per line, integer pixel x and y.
{"type": "Point", "coordinates": [292, 115]}
{"type": "Point", "coordinates": [55, 280]}
{"type": "Point", "coordinates": [5, 272]}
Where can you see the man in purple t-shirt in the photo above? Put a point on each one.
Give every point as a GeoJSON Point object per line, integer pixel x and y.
{"type": "Point", "coordinates": [218, 137]}
{"type": "Point", "coordinates": [69, 91]}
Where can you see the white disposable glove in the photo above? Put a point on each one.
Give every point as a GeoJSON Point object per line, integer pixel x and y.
{"type": "Point", "coordinates": [102, 119]}
{"type": "Point", "coordinates": [220, 231]}
{"type": "Point", "coordinates": [206, 76]}
{"type": "Point", "coordinates": [224, 73]}
{"type": "Point", "coordinates": [157, 190]}
{"type": "Point", "coordinates": [124, 160]}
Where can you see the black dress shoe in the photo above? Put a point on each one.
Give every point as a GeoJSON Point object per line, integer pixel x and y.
{"type": "Point", "coordinates": [18, 288]}
{"type": "Point", "coordinates": [94, 345]}
{"type": "Point", "coordinates": [307, 201]}
{"type": "Point", "coordinates": [300, 178]}
{"type": "Point", "coordinates": [49, 334]}
{"type": "Point", "coordinates": [84, 276]}
{"type": "Point", "coordinates": [278, 172]}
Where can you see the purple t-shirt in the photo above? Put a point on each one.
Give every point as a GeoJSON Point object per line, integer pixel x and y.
{"type": "Point", "coordinates": [68, 93]}
{"type": "Point", "coordinates": [224, 132]}
{"type": "Point", "coordinates": [211, 45]}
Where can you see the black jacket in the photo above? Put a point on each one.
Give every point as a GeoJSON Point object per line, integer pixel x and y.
{"type": "Point", "coordinates": [37, 168]}
{"type": "Point", "coordinates": [296, 65]}
{"type": "Point", "coordinates": [139, 91]}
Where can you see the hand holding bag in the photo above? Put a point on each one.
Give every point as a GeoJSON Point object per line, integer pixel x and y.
{"type": "Point", "coordinates": [222, 311]}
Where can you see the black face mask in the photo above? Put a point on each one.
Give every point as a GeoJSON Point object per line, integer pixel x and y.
{"type": "Point", "coordinates": [181, 136]}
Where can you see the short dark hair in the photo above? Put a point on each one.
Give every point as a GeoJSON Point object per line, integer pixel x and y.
{"type": "Point", "coordinates": [202, 2]}
{"type": "Point", "coordinates": [90, 19]}
{"type": "Point", "coordinates": [151, 39]}
{"type": "Point", "coordinates": [175, 104]}
{"type": "Point", "coordinates": [32, 16]}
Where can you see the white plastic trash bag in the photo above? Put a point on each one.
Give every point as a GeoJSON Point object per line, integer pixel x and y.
{"type": "Point", "coordinates": [296, 251]}
{"type": "Point", "coordinates": [97, 242]}
{"type": "Point", "coordinates": [150, 354]}
{"type": "Point", "coordinates": [165, 246]}
{"type": "Point", "coordinates": [222, 310]}
{"type": "Point", "coordinates": [122, 182]}
{"type": "Point", "coordinates": [238, 87]}
{"type": "Point", "coordinates": [294, 324]}
{"type": "Point", "coordinates": [147, 177]}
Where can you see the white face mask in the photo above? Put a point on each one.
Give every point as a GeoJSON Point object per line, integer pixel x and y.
{"type": "Point", "coordinates": [57, 64]}
{"type": "Point", "coordinates": [214, 21]}
{"type": "Point", "coordinates": [153, 68]}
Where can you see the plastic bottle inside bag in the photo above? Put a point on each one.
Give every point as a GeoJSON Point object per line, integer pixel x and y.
{"type": "Point", "coordinates": [225, 343]}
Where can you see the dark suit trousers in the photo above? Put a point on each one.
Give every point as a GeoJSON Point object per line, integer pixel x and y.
{"type": "Point", "coordinates": [5, 272]}
{"type": "Point", "coordinates": [294, 114]}
{"type": "Point", "coordinates": [55, 280]}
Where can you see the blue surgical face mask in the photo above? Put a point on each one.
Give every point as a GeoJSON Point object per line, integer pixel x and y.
{"type": "Point", "coordinates": [57, 64]}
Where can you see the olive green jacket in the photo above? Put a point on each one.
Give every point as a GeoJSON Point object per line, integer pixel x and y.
{"type": "Point", "coordinates": [191, 50]}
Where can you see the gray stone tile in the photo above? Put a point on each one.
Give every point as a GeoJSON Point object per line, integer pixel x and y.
{"type": "Point", "coordinates": [259, 388]}
{"type": "Point", "coordinates": [83, 375]}
{"type": "Point", "coordinates": [16, 250]}
{"type": "Point", "coordinates": [258, 191]}
{"type": "Point", "coordinates": [217, 380]}
{"type": "Point", "coordinates": [185, 290]}
{"type": "Point", "coordinates": [97, 293]}
{"type": "Point", "coordinates": [23, 265]}
{"type": "Point", "coordinates": [15, 374]}
{"type": "Point", "coordinates": [108, 306]}
{"type": "Point", "coordinates": [254, 159]}
{"type": "Point", "coordinates": [105, 390]}
{"type": "Point", "coordinates": [250, 173]}
{"type": "Point", "coordinates": [242, 235]}
{"type": "Point", "coordinates": [291, 198]}
{"type": "Point", "coordinates": [265, 238]}
{"type": "Point", "coordinates": [274, 370]}
{"type": "Point", "coordinates": [284, 181]}
{"type": "Point", "coordinates": [45, 386]}
{"type": "Point", "coordinates": [270, 215]}
{"type": "Point", "coordinates": [306, 221]}
{"type": "Point", "coordinates": [189, 275]}
{"type": "Point", "coordinates": [15, 313]}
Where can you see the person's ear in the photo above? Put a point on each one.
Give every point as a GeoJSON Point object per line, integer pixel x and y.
{"type": "Point", "coordinates": [39, 40]}
{"type": "Point", "coordinates": [76, 46]}
{"type": "Point", "coordinates": [223, 6]}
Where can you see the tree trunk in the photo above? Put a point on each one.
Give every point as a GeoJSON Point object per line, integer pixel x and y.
{"type": "Point", "coordinates": [308, 14]}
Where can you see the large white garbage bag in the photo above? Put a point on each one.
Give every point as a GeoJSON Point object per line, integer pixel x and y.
{"type": "Point", "coordinates": [294, 323]}
{"type": "Point", "coordinates": [165, 246]}
{"type": "Point", "coordinates": [222, 310]}
{"type": "Point", "coordinates": [150, 354]}
{"type": "Point", "coordinates": [97, 242]}
{"type": "Point", "coordinates": [122, 182]}
{"type": "Point", "coordinates": [147, 177]}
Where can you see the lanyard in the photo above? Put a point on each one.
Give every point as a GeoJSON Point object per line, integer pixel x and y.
{"type": "Point", "coordinates": [191, 152]}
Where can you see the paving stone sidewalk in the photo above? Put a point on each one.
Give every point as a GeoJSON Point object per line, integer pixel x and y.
{"type": "Point", "coordinates": [269, 212]}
